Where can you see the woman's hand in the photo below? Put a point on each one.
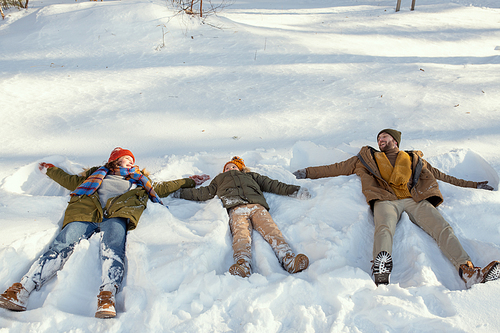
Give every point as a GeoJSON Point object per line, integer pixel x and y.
{"type": "Point", "coordinates": [199, 179]}
{"type": "Point", "coordinates": [44, 166]}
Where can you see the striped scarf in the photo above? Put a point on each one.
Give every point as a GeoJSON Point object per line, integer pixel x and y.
{"type": "Point", "coordinates": [92, 183]}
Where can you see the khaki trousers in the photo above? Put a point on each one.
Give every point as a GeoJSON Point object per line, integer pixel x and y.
{"type": "Point", "coordinates": [243, 219]}
{"type": "Point", "coordinates": [386, 214]}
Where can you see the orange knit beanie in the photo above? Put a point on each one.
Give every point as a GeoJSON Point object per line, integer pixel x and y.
{"type": "Point", "coordinates": [119, 152]}
{"type": "Point", "coordinates": [238, 161]}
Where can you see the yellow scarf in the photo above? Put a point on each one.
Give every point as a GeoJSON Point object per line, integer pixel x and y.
{"type": "Point", "coordinates": [398, 175]}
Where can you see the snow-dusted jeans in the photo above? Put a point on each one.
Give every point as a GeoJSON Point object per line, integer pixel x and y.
{"type": "Point", "coordinates": [243, 219]}
{"type": "Point", "coordinates": [112, 252]}
{"type": "Point", "coordinates": [386, 214]}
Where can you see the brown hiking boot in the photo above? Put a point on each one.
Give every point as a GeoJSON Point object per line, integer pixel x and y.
{"type": "Point", "coordinates": [470, 274]}
{"type": "Point", "coordinates": [241, 268]}
{"type": "Point", "coordinates": [105, 305]}
{"type": "Point", "coordinates": [15, 298]}
{"type": "Point", "coordinates": [491, 272]}
{"type": "Point", "coordinates": [294, 264]}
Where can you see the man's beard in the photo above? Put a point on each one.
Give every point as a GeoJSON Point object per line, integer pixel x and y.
{"type": "Point", "coordinates": [388, 146]}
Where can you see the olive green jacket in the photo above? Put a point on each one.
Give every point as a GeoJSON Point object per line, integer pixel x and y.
{"type": "Point", "coordinates": [236, 187]}
{"type": "Point", "coordinates": [130, 205]}
{"type": "Point", "coordinates": [422, 184]}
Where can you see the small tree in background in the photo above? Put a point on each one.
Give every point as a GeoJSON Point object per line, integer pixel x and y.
{"type": "Point", "coordinates": [206, 7]}
{"type": "Point", "coordinates": [5, 4]}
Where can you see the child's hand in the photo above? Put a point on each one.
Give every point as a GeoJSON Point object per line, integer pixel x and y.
{"type": "Point", "coordinates": [199, 179]}
{"type": "Point", "coordinates": [302, 194]}
{"type": "Point", "coordinates": [44, 166]}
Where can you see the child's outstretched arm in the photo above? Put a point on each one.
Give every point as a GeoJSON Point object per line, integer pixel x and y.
{"type": "Point", "coordinates": [274, 186]}
{"type": "Point", "coordinates": [198, 194]}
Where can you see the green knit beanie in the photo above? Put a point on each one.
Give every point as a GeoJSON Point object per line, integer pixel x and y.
{"type": "Point", "coordinates": [392, 132]}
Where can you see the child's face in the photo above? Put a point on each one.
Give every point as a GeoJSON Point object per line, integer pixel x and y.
{"type": "Point", "coordinates": [231, 166]}
{"type": "Point", "coordinates": [126, 162]}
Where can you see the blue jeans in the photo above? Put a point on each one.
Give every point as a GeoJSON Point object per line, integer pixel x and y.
{"type": "Point", "coordinates": [112, 252]}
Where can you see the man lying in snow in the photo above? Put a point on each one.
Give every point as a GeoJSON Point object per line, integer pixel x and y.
{"type": "Point", "coordinates": [395, 181]}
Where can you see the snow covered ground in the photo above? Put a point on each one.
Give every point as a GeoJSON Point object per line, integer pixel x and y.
{"type": "Point", "coordinates": [284, 85]}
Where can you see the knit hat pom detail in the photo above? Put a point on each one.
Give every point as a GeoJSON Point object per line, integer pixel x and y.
{"type": "Point", "coordinates": [120, 152]}
{"type": "Point", "coordinates": [238, 161]}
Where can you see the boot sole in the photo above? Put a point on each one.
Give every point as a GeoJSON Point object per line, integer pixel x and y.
{"type": "Point", "coordinates": [237, 271]}
{"type": "Point", "coordinates": [382, 278]}
{"type": "Point", "coordinates": [493, 274]}
{"type": "Point", "coordinates": [382, 268]}
{"type": "Point", "coordinates": [7, 304]}
{"type": "Point", "coordinates": [301, 263]}
{"type": "Point", "coordinates": [105, 314]}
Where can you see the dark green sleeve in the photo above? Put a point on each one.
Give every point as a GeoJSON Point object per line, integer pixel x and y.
{"type": "Point", "coordinates": [200, 194]}
{"type": "Point", "coordinates": [69, 182]}
{"type": "Point", "coordinates": [163, 189]}
{"type": "Point", "coordinates": [274, 186]}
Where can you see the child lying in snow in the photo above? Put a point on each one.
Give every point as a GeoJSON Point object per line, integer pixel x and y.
{"type": "Point", "coordinates": [241, 194]}
{"type": "Point", "coordinates": [108, 199]}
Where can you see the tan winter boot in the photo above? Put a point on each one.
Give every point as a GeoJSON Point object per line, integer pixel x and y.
{"type": "Point", "coordinates": [470, 274]}
{"type": "Point", "coordinates": [295, 263]}
{"type": "Point", "coordinates": [105, 305]}
{"type": "Point", "coordinates": [15, 298]}
{"type": "Point", "coordinates": [241, 268]}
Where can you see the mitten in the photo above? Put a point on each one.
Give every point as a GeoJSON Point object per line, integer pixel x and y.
{"type": "Point", "coordinates": [484, 186]}
{"type": "Point", "coordinates": [199, 179]}
{"type": "Point", "coordinates": [300, 174]}
{"type": "Point", "coordinates": [44, 166]}
{"type": "Point", "coordinates": [302, 194]}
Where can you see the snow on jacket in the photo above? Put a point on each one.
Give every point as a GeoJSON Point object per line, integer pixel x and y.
{"type": "Point", "coordinates": [422, 184]}
{"type": "Point", "coordinates": [129, 205]}
{"type": "Point", "coordinates": [236, 187]}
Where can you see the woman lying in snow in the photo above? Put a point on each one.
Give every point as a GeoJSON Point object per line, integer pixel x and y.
{"type": "Point", "coordinates": [241, 194]}
{"type": "Point", "coordinates": [108, 199]}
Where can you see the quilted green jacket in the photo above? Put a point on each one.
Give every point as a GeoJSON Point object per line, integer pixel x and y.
{"type": "Point", "coordinates": [236, 187]}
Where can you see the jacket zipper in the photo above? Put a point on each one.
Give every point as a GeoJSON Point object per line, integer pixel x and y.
{"type": "Point", "coordinates": [105, 212]}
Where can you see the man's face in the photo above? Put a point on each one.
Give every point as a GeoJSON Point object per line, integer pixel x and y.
{"type": "Point", "coordinates": [386, 142]}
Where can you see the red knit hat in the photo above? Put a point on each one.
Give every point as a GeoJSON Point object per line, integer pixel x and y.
{"type": "Point", "coordinates": [119, 152]}
{"type": "Point", "coordinates": [238, 161]}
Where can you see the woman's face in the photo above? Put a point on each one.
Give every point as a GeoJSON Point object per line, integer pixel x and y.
{"type": "Point", "coordinates": [231, 166]}
{"type": "Point", "coordinates": [126, 162]}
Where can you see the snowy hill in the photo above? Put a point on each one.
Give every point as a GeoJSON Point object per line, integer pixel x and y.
{"type": "Point", "coordinates": [284, 85]}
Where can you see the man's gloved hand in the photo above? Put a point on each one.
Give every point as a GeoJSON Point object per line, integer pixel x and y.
{"type": "Point", "coordinates": [484, 186]}
{"type": "Point", "coordinates": [300, 174]}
